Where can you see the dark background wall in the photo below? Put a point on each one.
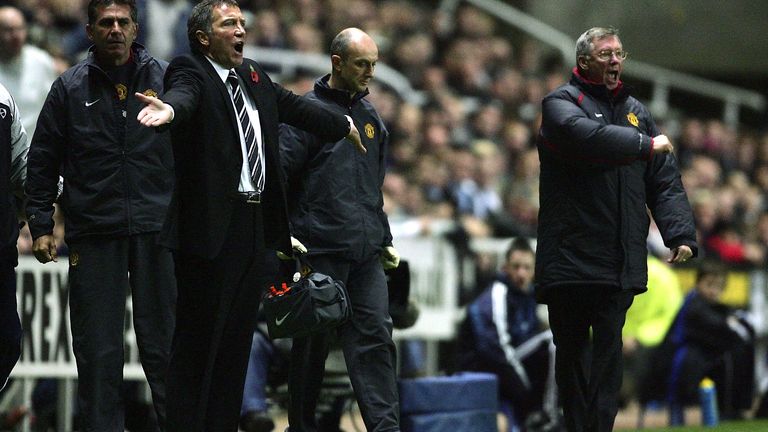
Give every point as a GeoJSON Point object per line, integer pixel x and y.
{"type": "Point", "coordinates": [724, 39]}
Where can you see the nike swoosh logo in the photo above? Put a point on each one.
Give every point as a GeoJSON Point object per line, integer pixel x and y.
{"type": "Point", "coordinates": [598, 115]}
{"type": "Point", "coordinates": [91, 103]}
{"type": "Point", "coordinates": [279, 321]}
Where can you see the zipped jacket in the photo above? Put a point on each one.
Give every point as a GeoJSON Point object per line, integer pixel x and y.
{"type": "Point", "coordinates": [118, 174]}
{"type": "Point", "coordinates": [13, 169]}
{"type": "Point", "coordinates": [599, 177]}
{"type": "Point", "coordinates": [335, 203]}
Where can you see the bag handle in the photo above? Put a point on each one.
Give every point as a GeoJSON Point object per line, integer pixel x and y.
{"type": "Point", "coordinates": [303, 267]}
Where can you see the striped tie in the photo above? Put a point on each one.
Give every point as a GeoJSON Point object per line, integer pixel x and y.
{"type": "Point", "coordinates": [254, 159]}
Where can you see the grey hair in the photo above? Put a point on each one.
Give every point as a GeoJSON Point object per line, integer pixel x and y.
{"type": "Point", "coordinates": [585, 42]}
{"type": "Point", "coordinates": [201, 18]}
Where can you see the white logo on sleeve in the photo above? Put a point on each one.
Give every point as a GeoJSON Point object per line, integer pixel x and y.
{"type": "Point", "coordinates": [87, 104]}
{"type": "Point", "coordinates": [598, 115]}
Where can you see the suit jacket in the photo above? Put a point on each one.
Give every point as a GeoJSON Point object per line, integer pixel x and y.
{"type": "Point", "coordinates": [208, 157]}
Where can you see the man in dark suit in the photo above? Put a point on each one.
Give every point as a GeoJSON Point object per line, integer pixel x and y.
{"type": "Point", "coordinates": [229, 206]}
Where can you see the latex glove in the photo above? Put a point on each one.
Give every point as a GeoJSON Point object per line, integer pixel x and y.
{"type": "Point", "coordinates": [297, 247]}
{"type": "Point", "coordinates": [390, 258]}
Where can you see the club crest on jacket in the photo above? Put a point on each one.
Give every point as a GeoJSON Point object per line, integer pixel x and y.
{"type": "Point", "coordinates": [632, 119]}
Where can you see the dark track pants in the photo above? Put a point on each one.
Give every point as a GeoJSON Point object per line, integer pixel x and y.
{"type": "Point", "coordinates": [368, 351]}
{"type": "Point", "coordinates": [10, 327]}
{"type": "Point", "coordinates": [588, 370]}
{"type": "Point", "coordinates": [99, 269]}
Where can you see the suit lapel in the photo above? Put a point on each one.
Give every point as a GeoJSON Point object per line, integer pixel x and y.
{"type": "Point", "coordinates": [252, 83]}
{"type": "Point", "coordinates": [222, 90]}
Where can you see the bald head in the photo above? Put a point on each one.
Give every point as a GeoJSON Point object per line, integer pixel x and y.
{"type": "Point", "coordinates": [13, 32]}
{"type": "Point", "coordinates": [345, 38]}
{"type": "Point", "coordinates": [353, 57]}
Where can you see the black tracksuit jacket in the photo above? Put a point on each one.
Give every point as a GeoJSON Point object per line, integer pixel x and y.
{"type": "Point", "coordinates": [118, 174]}
{"type": "Point", "coordinates": [335, 201]}
{"type": "Point", "coordinates": [598, 176]}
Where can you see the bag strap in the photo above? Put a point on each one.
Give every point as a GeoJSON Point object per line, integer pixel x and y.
{"type": "Point", "coordinates": [302, 264]}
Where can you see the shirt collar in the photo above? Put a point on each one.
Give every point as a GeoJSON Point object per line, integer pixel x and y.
{"type": "Point", "coordinates": [220, 70]}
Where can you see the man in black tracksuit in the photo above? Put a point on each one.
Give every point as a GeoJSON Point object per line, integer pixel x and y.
{"type": "Point", "coordinates": [335, 208]}
{"type": "Point", "coordinates": [603, 166]}
{"type": "Point", "coordinates": [13, 168]}
{"type": "Point", "coordinates": [118, 177]}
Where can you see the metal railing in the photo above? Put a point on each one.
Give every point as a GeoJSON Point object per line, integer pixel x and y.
{"type": "Point", "coordinates": [291, 62]}
{"type": "Point", "coordinates": [663, 79]}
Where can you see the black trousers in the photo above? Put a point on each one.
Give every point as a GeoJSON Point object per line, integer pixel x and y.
{"type": "Point", "coordinates": [10, 327]}
{"type": "Point", "coordinates": [216, 318]}
{"type": "Point", "coordinates": [101, 270]}
{"type": "Point", "coordinates": [368, 351]}
{"type": "Point", "coordinates": [588, 368]}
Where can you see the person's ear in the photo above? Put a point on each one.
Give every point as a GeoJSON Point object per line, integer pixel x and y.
{"type": "Point", "coordinates": [202, 38]}
{"type": "Point", "coordinates": [582, 63]}
{"type": "Point", "coordinates": [89, 32]}
{"type": "Point", "coordinates": [336, 62]}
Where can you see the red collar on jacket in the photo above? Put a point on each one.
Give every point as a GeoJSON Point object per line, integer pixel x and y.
{"type": "Point", "coordinates": [596, 83]}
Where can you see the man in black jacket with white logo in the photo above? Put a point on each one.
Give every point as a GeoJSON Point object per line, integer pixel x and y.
{"type": "Point", "coordinates": [335, 208]}
{"type": "Point", "coordinates": [604, 165]}
{"type": "Point", "coordinates": [118, 177]}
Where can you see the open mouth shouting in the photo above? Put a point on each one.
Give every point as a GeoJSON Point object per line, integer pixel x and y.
{"type": "Point", "coordinates": [612, 77]}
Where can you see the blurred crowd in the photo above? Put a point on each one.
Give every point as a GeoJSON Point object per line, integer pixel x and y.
{"type": "Point", "coordinates": [464, 162]}
{"type": "Point", "coordinates": [466, 158]}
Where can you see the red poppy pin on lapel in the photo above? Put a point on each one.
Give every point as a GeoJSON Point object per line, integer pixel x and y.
{"type": "Point", "coordinates": [254, 75]}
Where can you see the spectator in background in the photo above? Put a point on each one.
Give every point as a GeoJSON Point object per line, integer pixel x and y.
{"type": "Point", "coordinates": [13, 170]}
{"type": "Point", "coordinates": [503, 334]}
{"type": "Point", "coordinates": [603, 165]}
{"type": "Point", "coordinates": [704, 208]}
{"type": "Point", "coordinates": [304, 38]}
{"type": "Point", "coordinates": [266, 30]}
{"type": "Point", "coordinates": [25, 70]}
{"type": "Point", "coordinates": [728, 244]}
{"type": "Point", "coordinates": [520, 204]}
{"type": "Point", "coordinates": [489, 177]}
{"type": "Point", "coordinates": [88, 133]}
{"type": "Point", "coordinates": [463, 187]}
{"type": "Point", "coordinates": [336, 210]}
{"type": "Point", "coordinates": [707, 339]}
{"type": "Point", "coordinates": [163, 29]}
{"type": "Point", "coordinates": [648, 320]}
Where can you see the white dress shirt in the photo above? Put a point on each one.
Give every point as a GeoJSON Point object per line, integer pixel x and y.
{"type": "Point", "coordinates": [246, 184]}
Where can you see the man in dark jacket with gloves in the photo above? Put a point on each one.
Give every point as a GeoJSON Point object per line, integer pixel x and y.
{"type": "Point", "coordinates": [604, 164]}
{"type": "Point", "coordinates": [118, 177]}
{"type": "Point", "coordinates": [335, 209]}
